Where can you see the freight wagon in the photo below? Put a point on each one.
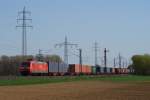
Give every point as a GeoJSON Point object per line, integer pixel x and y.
{"type": "Point", "coordinates": [97, 70]}
{"type": "Point", "coordinates": [94, 70]}
{"type": "Point", "coordinates": [76, 69]}
{"type": "Point", "coordinates": [57, 68]}
{"type": "Point", "coordinates": [105, 70]}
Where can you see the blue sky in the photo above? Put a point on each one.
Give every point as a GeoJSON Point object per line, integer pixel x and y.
{"type": "Point", "coordinates": [119, 25]}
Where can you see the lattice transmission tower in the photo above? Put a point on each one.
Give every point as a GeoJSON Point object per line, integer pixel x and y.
{"type": "Point", "coordinates": [22, 23]}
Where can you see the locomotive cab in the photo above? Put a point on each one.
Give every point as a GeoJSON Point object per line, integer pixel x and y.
{"type": "Point", "coordinates": [24, 68]}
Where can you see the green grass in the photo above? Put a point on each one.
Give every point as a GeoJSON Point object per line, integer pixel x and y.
{"type": "Point", "coordinates": [44, 80]}
{"type": "Point", "coordinates": [128, 78]}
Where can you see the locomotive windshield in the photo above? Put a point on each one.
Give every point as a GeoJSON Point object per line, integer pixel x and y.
{"type": "Point", "coordinates": [25, 64]}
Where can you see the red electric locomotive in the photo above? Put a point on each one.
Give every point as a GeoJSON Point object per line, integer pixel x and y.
{"type": "Point", "coordinates": [33, 68]}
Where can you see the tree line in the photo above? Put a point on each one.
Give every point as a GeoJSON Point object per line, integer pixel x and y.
{"type": "Point", "coordinates": [9, 65]}
{"type": "Point", "coordinates": [141, 64]}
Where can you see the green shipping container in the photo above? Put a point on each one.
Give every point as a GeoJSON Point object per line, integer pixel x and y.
{"type": "Point", "coordinates": [94, 70]}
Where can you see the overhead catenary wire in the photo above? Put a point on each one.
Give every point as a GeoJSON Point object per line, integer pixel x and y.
{"type": "Point", "coordinates": [66, 44]}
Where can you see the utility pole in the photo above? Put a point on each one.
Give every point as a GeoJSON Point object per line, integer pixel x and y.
{"type": "Point", "coordinates": [80, 59]}
{"type": "Point", "coordinates": [96, 49]}
{"type": "Point", "coordinates": [65, 44]}
{"type": "Point", "coordinates": [120, 61]}
{"type": "Point", "coordinates": [24, 27]}
{"type": "Point", "coordinates": [114, 62]}
{"type": "Point", "coordinates": [105, 60]}
{"type": "Point", "coordinates": [40, 55]}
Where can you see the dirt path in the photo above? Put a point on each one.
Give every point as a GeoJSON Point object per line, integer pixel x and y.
{"type": "Point", "coordinates": [86, 90]}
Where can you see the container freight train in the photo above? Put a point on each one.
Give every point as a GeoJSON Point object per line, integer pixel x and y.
{"type": "Point", "coordinates": [60, 68]}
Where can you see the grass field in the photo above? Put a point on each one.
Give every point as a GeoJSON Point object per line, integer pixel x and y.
{"type": "Point", "coordinates": [75, 88]}
{"type": "Point", "coordinates": [6, 81]}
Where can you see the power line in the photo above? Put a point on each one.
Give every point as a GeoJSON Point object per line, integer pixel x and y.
{"type": "Point", "coordinates": [121, 61]}
{"type": "Point", "coordinates": [66, 44]}
{"type": "Point", "coordinates": [40, 55]}
{"type": "Point", "coordinates": [24, 27]}
{"type": "Point", "coordinates": [78, 55]}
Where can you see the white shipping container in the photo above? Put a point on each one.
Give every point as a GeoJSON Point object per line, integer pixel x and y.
{"type": "Point", "coordinates": [55, 67]}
